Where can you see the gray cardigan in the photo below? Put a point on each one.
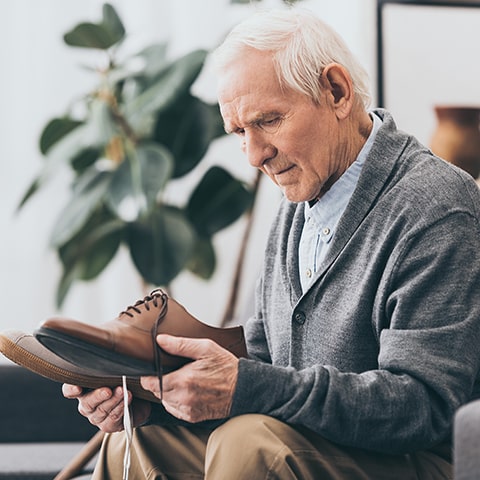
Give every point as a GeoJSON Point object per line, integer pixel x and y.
{"type": "Point", "coordinates": [385, 345]}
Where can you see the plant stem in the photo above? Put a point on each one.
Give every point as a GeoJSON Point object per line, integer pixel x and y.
{"type": "Point", "coordinates": [123, 124]}
{"type": "Point", "coordinates": [234, 289]}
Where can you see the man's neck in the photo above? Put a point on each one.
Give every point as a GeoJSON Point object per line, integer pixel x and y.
{"type": "Point", "coordinates": [360, 132]}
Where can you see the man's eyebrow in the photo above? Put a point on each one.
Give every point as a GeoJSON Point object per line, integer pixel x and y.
{"type": "Point", "coordinates": [228, 131]}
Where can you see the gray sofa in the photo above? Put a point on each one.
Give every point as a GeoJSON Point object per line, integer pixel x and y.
{"type": "Point", "coordinates": [466, 444]}
{"type": "Point", "coordinates": [40, 431]}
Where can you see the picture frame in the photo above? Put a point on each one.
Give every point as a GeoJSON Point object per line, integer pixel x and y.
{"type": "Point", "coordinates": [428, 55]}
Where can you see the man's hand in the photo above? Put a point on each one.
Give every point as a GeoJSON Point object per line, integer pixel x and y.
{"type": "Point", "coordinates": [200, 390]}
{"type": "Point", "coordinates": [104, 407]}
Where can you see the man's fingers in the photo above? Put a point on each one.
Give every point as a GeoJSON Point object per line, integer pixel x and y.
{"type": "Point", "coordinates": [104, 407]}
{"type": "Point", "coordinates": [194, 348]}
{"type": "Point", "coordinates": [151, 384]}
{"type": "Point", "coordinates": [71, 391]}
{"type": "Point", "coordinates": [92, 401]}
{"type": "Point", "coordinates": [113, 413]}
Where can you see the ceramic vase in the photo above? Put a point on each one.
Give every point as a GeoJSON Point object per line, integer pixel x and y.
{"type": "Point", "coordinates": [457, 137]}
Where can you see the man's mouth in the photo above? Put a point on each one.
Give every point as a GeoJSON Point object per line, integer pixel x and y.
{"type": "Point", "coordinates": [282, 171]}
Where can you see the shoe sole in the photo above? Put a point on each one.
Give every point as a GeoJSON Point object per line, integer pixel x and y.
{"type": "Point", "coordinates": [25, 350]}
{"type": "Point", "coordinates": [95, 358]}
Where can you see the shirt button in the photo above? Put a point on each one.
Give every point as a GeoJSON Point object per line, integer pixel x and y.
{"type": "Point", "coordinates": [299, 318]}
{"type": "Point", "coordinates": [308, 273]}
{"type": "Point", "coordinates": [326, 231]}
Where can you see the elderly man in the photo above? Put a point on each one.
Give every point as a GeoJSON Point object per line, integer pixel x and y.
{"type": "Point", "coordinates": [365, 336]}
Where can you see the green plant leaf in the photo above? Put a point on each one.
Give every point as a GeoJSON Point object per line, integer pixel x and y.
{"type": "Point", "coordinates": [187, 128]}
{"type": "Point", "coordinates": [87, 254]}
{"type": "Point", "coordinates": [66, 281]}
{"type": "Point", "coordinates": [92, 264]}
{"type": "Point", "coordinates": [123, 196]}
{"type": "Point", "coordinates": [217, 127]}
{"type": "Point", "coordinates": [112, 21]}
{"type": "Point", "coordinates": [66, 149]}
{"type": "Point", "coordinates": [203, 260]}
{"type": "Point", "coordinates": [161, 245]}
{"type": "Point", "coordinates": [164, 89]}
{"type": "Point", "coordinates": [142, 123]}
{"type": "Point", "coordinates": [90, 35]}
{"type": "Point", "coordinates": [217, 201]}
{"type": "Point", "coordinates": [92, 249]}
{"type": "Point", "coordinates": [101, 35]}
{"type": "Point", "coordinates": [156, 166]}
{"type": "Point", "coordinates": [56, 129]}
{"type": "Point", "coordinates": [31, 190]}
{"type": "Point", "coordinates": [76, 146]}
{"type": "Point", "coordinates": [88, 193]}
{"type": "Point", "coordinates": [140, 179]}
{"type": "Point", "coordinates": [100, 125]}
{"type": "Point", "coordinates": [154, 58]}
{"type": "Point", "coordinates": [84, 159]}
{"type": "Point", "coordinates": [59, 155]}
{"type": "Point", "coordinates": [145, 63]}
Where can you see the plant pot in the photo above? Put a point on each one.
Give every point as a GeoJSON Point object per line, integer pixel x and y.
{"type": "Point", "coordinates": [457, 137]}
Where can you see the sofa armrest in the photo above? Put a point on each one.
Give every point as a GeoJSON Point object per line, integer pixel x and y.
{"type": "Point", "coordinates": [466, 442]}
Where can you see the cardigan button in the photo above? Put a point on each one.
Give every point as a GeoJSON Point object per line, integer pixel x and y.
{"type": "Point", "coordinates": [299, 318]}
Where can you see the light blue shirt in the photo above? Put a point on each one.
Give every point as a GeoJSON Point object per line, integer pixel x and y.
{"type": "Point", "coordinates": [321, 220]}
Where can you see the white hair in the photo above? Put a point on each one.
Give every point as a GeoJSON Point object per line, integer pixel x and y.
{"type": "Point", "coordinates": [302, 45]}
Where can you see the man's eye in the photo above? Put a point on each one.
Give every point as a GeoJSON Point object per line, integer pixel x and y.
{"type": "Point", "coordinates": [270, 124]}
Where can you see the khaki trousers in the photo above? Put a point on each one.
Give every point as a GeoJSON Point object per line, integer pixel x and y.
{"type": "Point", "coordinates": [251, 447]}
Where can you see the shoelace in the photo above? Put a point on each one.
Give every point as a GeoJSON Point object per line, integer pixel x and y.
{"type": "Point", "coordinates": [127, 419]}
{"type": "Point", "coordinates": [128, 429]}
{"type": "Point", "coordinates": [153, 298]}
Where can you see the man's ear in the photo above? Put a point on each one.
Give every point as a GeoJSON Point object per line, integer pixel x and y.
{"type": "Point", "coordinates": [339, 88]}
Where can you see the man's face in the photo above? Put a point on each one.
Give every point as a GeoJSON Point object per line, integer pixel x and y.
{"type": "Point", "coordinates": [284, 134]}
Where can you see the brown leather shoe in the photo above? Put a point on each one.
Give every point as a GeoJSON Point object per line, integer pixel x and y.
{"type": "Point", "coordinates": [127, 345]}
{"type": "Point", "coordinates": [25, 350]}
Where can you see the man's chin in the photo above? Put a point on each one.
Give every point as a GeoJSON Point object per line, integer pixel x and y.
{"type": "Point", "coordinates": [293, 195]}
{"type": "Point", "coordinates": [294, 198]}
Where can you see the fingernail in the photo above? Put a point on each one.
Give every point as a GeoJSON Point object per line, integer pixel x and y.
{"type": "Point", "coordinates": [105, 394]}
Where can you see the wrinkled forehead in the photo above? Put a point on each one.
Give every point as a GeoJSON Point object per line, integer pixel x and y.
{"type": "Point", "coordinates": [249, 90]}
{"type": "Point", "coordinates": [250, 71]}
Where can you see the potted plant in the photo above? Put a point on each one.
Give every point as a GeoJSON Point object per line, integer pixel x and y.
{"type": "Point", "coordinates": [138, 131]}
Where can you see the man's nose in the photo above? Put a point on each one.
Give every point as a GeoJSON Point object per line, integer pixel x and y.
{"type": "Point", "coordinates": [258, 149]}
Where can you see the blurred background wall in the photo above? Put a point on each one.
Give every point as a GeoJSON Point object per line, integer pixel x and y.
{"type": "Point", "coordinates": [40, 75]}
{"type": "Point", "coordinates": [430, 57]}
